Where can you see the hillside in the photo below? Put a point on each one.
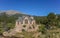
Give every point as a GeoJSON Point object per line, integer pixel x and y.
{"type": "Point", "coordinates": [48, 25]}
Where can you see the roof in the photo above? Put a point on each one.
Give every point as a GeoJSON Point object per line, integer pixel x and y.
{"type": "Point", "coordinates": [23, 17]}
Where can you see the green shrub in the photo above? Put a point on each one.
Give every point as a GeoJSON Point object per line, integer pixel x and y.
{"type": "Point", "coordinates": [42, 28]}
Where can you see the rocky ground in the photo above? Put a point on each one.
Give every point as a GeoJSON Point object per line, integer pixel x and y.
{"type": "Point", "coordinates": [49, 34]}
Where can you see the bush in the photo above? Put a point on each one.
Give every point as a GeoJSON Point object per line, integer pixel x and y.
{"type": "Point", "coordinates": [42, 28]}
{"type": "Point", "coordinates": [1, 30]}
{"type": "Point", "coordinates": [10, 25]}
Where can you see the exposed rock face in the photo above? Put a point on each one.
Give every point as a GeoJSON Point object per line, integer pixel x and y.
{"type": "Point", "coordinates": [1, 37]}
{"type": "Point", "coordinates": [12, 34]}
{"type": "Point", "coordinates": [11, 12]}
{"type": "Point", "coordinates": [9, 33]}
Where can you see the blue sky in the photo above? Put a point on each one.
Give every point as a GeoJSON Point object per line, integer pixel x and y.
{"type": "Point", "coordinates": [32, 7]}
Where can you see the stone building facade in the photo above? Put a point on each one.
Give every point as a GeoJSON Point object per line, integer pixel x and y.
{"type": "Point", "coordinates": [26, 23]}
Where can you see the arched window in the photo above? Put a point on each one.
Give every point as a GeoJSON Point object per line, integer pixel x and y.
{"type": "Point", "coordinates": [18, 22]}
{"type": "Point", "coordinates": [21, 22]}
{"type": "Point", "coordinates": [33, 26]}
{"type": "Point", "coordinates": [30, 28]}
{"type": "Point", "coordinates": [33, 22]}
{"type": "Point", "coordinates": [26, 21]}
